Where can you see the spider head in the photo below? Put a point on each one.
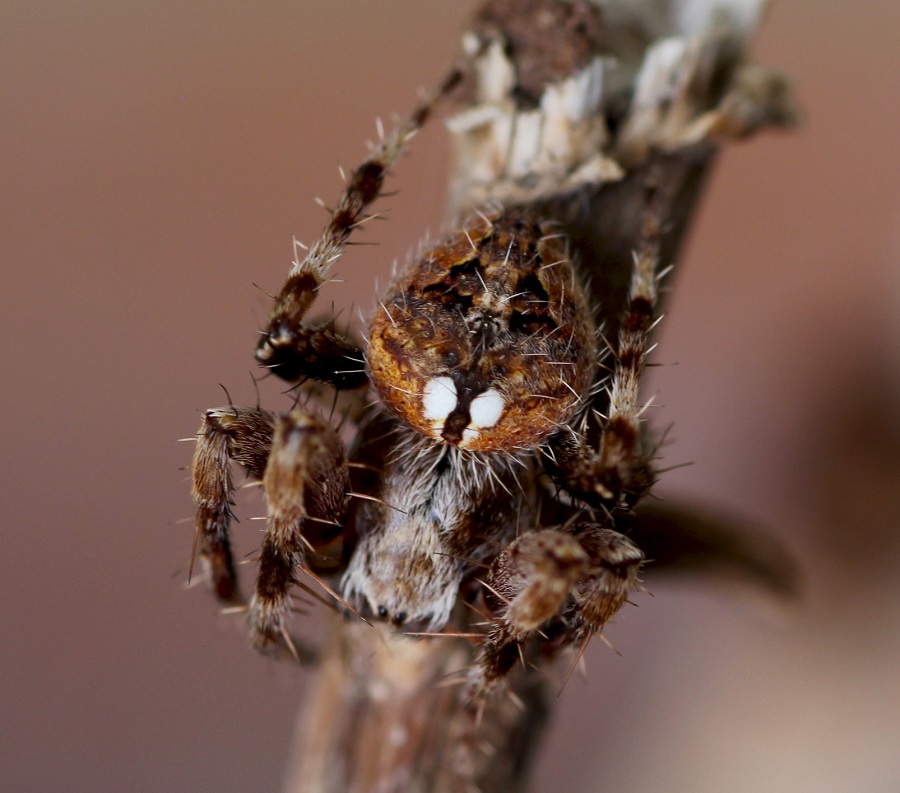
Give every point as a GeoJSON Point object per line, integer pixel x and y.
{"type": "Point", "coordinates": [486, 342]}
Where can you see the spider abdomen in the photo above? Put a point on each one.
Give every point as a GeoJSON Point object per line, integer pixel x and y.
{"type": "Point", "coordinates": [485, 342]}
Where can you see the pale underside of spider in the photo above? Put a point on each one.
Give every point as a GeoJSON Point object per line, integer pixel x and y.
{"type": "Point", "coordinates": [499, 466]}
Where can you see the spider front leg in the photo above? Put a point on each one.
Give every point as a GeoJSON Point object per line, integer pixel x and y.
{"type": "Point", "coordinates": [321, 353]}
{"type": "Point", "coordinates": [293, 350]}
{"type": "Point", "coordinates": [612, 572]}
{"type": "Point", "coordinates": [618, 473]}
{"type": "Point", "coordinates": [528, 584]}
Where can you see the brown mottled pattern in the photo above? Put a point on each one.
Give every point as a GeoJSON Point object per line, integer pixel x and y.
{"type": "Point", "coordinates": [495, 306]}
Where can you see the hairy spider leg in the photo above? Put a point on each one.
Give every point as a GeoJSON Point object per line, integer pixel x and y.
{"type": "Point", "coordinates": [582, 573]}
{"type": "Point", "coordinates": [287, 347]}
{"type": "Point", "coordinates": [307, 485]}
{"type": "Point", "coordinates": [301, 463]}
{"type": "Point", "coordinates": [229, 433]}
{"type": "Point", "coordinates": [617, 474]}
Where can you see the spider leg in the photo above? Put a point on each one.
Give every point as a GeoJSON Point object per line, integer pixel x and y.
{"type": "Point", "coordinates": [528, 584]}
{"type": "Point", "coordinates": [238, 434]}
{"type": "Point", "coordinates": [321, 353]}
{"type": "Point", "coordinates": [611, 574]}
{"type": "Point", "coordinates": [581, 573]}
{"type": "Point", "coordinates": [288, 348]}
{"type": "Point", "coordinates": [307, 483]}
{"type": "Point", "coordinates": [618, 473]}
{"type": "Point", "coordinates": [301, 462]}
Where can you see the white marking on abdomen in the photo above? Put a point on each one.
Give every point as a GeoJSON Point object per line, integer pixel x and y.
{"type": "Point", "coordinates": [486, 409]}
{"type": "Point", "coordinates": [439, 398]}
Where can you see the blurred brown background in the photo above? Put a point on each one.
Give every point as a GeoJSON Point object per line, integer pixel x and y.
{"type": "Point", "coordinates": [155, 159]}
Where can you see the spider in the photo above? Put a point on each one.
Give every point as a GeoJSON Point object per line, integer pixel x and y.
{"type": "Point", "coordinates": [499, 462]}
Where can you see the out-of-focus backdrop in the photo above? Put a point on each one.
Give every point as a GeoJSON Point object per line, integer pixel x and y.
{"type": "Point", "coordinates": [155, 159]}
